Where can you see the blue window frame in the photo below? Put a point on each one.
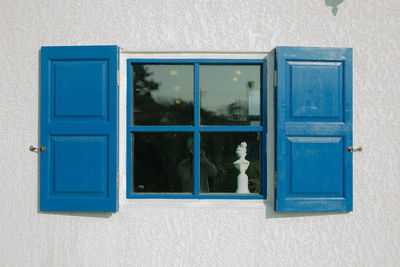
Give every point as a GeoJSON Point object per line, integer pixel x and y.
{"type": "Point", "coordinates": [197, 129]}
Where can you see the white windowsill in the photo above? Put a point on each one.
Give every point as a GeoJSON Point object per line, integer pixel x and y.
{"type": "Point", "coordinates": [195, 203]}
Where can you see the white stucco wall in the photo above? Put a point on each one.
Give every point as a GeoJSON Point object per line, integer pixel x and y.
{"type": "Point", "coordinates": [202, 233]}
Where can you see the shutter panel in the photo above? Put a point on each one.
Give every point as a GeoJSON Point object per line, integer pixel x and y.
{"type": "Point", "coordinates": [79, 128]}
{"type": "Point", "coordinates": [314, 129]}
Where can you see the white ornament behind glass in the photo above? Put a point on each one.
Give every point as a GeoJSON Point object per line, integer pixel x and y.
{"type": "Point", "coordinates": [242, 164]}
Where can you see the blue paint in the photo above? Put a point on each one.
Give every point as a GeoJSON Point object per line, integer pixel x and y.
{"type": "Point", "coordinates": [196, 154]}
{"type": "Point", "coordinates": [193, 128]}
{"type": "Point", "coordinates": [161, 128]}
{"type": "Point", "coordinates": [314, 129]}
{"type": "Point", "coordinates": [316, 166]}
{"type": "Point", "coordinates": [73, 159]}
{"type": "Point", "coordinates": [129, 88]}
{"type": "Point", "coordinates": [231, 128]}
{"type": "Point", "coordinates": [196, 129]}
{"type": "Point", "coordinates": [321, 98]}
{"type": "Point", "coordinates": [264, 119]}
{"type": "Point", "coordinates": [73, 76]}
{"type": "Point", "coordinates": [79, 128]}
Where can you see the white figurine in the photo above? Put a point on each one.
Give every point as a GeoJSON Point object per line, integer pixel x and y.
{"type": "Point", "coordinates": [242, 164]}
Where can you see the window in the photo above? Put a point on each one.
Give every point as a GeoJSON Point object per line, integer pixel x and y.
{"type": "Point", "coordinates": [186, 121]}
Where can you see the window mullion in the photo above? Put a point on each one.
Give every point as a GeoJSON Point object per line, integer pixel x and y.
{"type": "Point", "coordinates": [196, 96]}
{"type": "Point", "coordinates": [161, 128]}
{"type": "Point", "coordinates": [196, 150]}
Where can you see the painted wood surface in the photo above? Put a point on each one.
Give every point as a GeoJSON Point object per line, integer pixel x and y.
{"type": "Point", "coordinates": [197, 129]}
{"type": "Point", "coordinates": [314, 129]}
{"type": "Point", "coordinates": [79, 128]}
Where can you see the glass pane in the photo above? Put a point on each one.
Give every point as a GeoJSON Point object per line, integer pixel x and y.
{"type": "Point", "coordinates": [162, 162]}
{"type": "Point", "coordinates": [230, 94]}
{"type": "Point", "coordinates": [219, 173]}
{"type": "Point", "coordinates": [162, 94]}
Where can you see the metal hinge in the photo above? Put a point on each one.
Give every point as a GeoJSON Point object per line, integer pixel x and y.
{"type": "Point", "coordinates": [275, 78]}
{"type": "Point", "coordinates": [276, 179]}
{"type": "Point", "coordinates": [118, 77]}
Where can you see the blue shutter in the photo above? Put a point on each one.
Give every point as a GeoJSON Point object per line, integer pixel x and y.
{"type": "Point", "coordinates": [79, 128]}
{"type": "Point", "coordinates": [314, 129]}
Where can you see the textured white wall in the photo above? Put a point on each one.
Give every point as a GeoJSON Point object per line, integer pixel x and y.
{"type": "Point", "coordinates": [216, 233]}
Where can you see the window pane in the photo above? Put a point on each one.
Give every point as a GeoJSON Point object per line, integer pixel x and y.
{"type": "Point", "coordinates": [162, 162]}
{"type": "Point", "coordinates": [230, 94]}
{"type": "Point", "coordinates": [218, 173]}
{"type": "Point", "coordinates": [162, 94]}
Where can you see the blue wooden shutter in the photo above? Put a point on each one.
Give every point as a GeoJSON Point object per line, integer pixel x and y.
{"type": "Point", "coordinates": [79, 128]}
{"type": "Point", "coordinates": [314, 129]}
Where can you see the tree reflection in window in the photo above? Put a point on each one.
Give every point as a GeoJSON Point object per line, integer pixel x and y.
{"type": "Point", "coordinates": [162, 94]}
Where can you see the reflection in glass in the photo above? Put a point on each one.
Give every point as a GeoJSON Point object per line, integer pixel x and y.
{"type": "Point", "coordinates": [217, 170]}
{"type": "Point", "coordinates": [230, 94]}
{"type": "Point", "coordinates": [162, 162]}
{"type": "Point", "coordinates": [162, 94]}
